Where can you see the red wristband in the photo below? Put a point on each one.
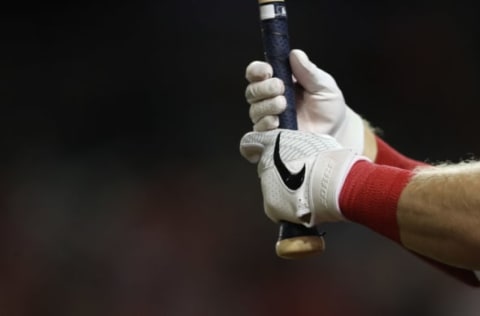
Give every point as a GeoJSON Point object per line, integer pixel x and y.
{"type": "Point", "coordinates": [370, 196]}
{"type": "Point", "coordinates": [386, 155]}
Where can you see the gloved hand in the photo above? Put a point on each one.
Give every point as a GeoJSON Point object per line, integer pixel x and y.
{"type": "Point", "coordinates": [320, 104]}
{"type": "Point", "coordinates": [301, 174]}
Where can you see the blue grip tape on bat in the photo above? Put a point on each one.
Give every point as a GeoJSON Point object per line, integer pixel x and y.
{"type": "Point", "coordinates": [294, 240]}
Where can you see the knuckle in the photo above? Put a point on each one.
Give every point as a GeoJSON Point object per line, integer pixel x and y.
{"type": "Point", "coordinates": [262, 90]}
{"type": "Point", "coordinates": [276, 86]}
{"type": "Point", "coordinates": [258, 70]}
{"type": "Point", "coordinates": [267, 108]}
{"type": "Point", "coordinates": [271, 122]}
{"type": "Point", "coordinates": [279, 104]}
{"type": "Point", "coordinates": [252, 112]}
{"type": "Point", "coordinates": [266, 123]}
{"type": "Point", "coordinates": [248, 93]}
{"type": "Point", "coordinates": [253, 92]}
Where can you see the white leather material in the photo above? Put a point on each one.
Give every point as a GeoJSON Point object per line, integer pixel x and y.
{"type": "Point", "coordinates": [326, 164]}
{"type": "Point", "coordinates": [320, 104]}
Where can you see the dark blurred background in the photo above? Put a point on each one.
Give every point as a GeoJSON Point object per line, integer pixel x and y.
{"type": "Point", "coordinates": [122, 191]}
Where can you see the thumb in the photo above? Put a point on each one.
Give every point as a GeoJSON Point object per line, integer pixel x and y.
{"type": "Point", "coordinates": [308, 75]}
{"type": "Point", "coordinates": [252, 146]}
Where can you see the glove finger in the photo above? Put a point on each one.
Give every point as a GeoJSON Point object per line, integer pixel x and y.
{"type": "Point", "coordinates": [265, 89]}
{"type": "Point", "coordinates": [258, 71]}
{"type": "Point", "coordinates": [251, 146]}
{"type": "Point", "coordinates": [309, 76]}
{"type": "Point", "coordinates": [272, 106]}
{"type": "Point", "coordinates": [267, 123]}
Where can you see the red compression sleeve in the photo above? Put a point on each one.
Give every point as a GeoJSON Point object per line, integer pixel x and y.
{"type": "Point", "coordinates": [370, 197]}
{"type": "Point", "coordinates": [386, 155]}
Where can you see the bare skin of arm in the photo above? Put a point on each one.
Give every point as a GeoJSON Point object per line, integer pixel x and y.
{"type": "Point", "coordinates": [439, 214]}
{"type": "Point", "coordinates": [370, 143]}
{"type": "Point", "coordinates": [439, 211]}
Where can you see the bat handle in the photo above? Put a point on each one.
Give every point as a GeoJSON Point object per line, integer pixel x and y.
{"type": "Point", "coordinates": [294, 240]}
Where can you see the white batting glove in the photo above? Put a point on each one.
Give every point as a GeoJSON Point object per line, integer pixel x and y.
{"type": "Point", "coordinates": [320, 104]}
{"type": "Point", "coordinates": [301, 174]}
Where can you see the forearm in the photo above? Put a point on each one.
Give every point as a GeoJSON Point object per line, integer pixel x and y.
{"type": "Point", "coordinates": [371, 197]}
{"type": "Point", "coordinates": [438, 214]}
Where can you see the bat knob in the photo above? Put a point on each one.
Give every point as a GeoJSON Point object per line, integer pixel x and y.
{"type": "Point", "coordinates": [297, 241]}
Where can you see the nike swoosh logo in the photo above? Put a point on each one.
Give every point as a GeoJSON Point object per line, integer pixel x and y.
{"type": "Point", "coordinates": [292, 180]}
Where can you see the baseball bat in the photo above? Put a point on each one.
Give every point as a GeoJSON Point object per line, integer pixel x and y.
{"type": "Point", "coordinates": [294, 240]}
